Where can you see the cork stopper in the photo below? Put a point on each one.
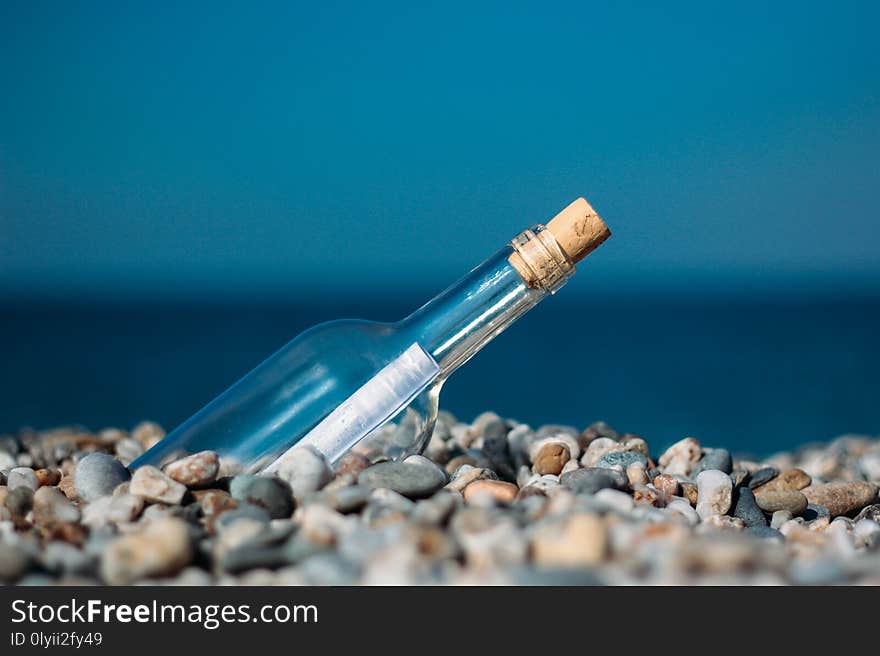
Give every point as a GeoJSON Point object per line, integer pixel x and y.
{"type": "Point", "coordinates": [545, 256]}
{"type": "Point", "coordinates": [578, 229]}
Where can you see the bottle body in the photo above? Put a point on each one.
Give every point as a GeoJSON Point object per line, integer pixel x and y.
{"type": "Point", "coordinates": [341, 382]}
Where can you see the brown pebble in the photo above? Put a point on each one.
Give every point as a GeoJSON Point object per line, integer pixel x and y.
{"type": "Point", "coordinates": [75, 534]}
{"type": "Point", "coordinates": [530, 491]}
{"type": "Point", "coordinates": [148, 434]}
{"type": "Point", "coordinates": [689, 492]}
{"type": "Point", "coordinates": [458, 461]}
{"type": "Point", "coordinates": [67, 484]}
{"type": "Point", "coordinates": [791, 500]}
{"type": "Point", "coordinates": [214, 503]}
{"type": "Point", "coordinates": [352, 463]}
{"type": "Point", "coordinates": [551, 458]}
{"type": "Point", "coordinates": [667, 484]}
{"type": "Point", "coordinates": [197, 470]}
{"type": "Point", "coordinates": [843, 498]}
{"type": "Point", "coordinates": [48, 476]}
{"type": "Point", "coordinates": [498, 490]}
{"type": "Point", "coordinates": [792, 479]}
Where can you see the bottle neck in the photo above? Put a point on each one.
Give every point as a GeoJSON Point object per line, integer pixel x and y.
{"type": "Point", "coordinates": [457, 323]}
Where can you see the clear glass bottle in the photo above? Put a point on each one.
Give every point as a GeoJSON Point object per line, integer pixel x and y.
{"type": "Point", "coordinates": [341, 382]}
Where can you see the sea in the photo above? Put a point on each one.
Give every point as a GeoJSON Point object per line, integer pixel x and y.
{"type": "Point", "coordinates": [754, 375]}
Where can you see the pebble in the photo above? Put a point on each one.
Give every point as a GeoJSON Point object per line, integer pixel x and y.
{"type": "Point", "coordinates": [667, 484]}
{"type": "Point", "coordinates": [19, 500]}
{"type": "Point", "coordinates": [761, 476]}
{"type": "Point", "coordinates": [871, 513]}
{"type": "Point", "coordinates": [551, 458]}
{"type": "Point", "coordinates": [746, 508]}
{"type": "Point", "coordinates": [842, 498]}
{"type": "Point", "coordinates": [162, 548]}
{"type": "Point", "coordinates": [352, 463]}
{"type": "Point", "coordinates": [198, 470]}
{"type": "Point", "coordinates": [636, 474]}
{"type": "Point", "coordinates": [409, 479]}
{"type": "Point", "coordinates": [51, 507]}
{"type": "Point", "coordinates": [305, 470]}
{"type": "Point", "coordinates": [48, 476]}
{"type": "Point", "coordinates": [792, 479]}
{"type": "Point", "coordinates": [153, 485]}
{"type": "Point", "coordinates": [714, 459]}
{"type": "Point", "coordinates": [615, 500]}
{"type": "Point", "coordinates": [581, 541]}
{"type": "Point", "coordinates": [678, 459]}
{"type": "Point", "coordinates": [598, 448]}
{"type": "Point", "coordinates": [791, 500]}
{"type": "Point", "coordinates": [148, 434]}
{"type": "Point", "coordinates": [499, 491]}
{"type": "Point", "coordinates": [779, 518]}
{"type": "Point", "coordinates": [266, 492]}
{"type": "Point", "coordinates": [467, 474]}
{"type": "Point", "coordinates": [97, 475]}
{"type": "Point", "coordinates": [590, 481]}
{"type": "Point", "coordinates": [14, 562]}
{"type": "Point", "coordinates": [765, 532]}
{"type": "Point", "coordinates": [714, 493]}
{"type": "Point", "coordinates": [620, 460]}
{"type": "Point", "coordinates": [22, 477]}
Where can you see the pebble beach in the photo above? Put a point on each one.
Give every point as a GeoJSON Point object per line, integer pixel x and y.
{"type": "Point", "coordinates": [492, 502]}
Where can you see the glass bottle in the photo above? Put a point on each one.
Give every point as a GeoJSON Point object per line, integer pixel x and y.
{"type": "Point", "coordinates": [341, 382]}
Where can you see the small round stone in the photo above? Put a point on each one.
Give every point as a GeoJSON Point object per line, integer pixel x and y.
{"type": "Point", "coordinates": [791, 479]}
{"type": "Point", "coordinates": [761, 476]}
{"type": "Point", "coordinates": [714, 459]}
{"type": "Point", "coordinates": [621, 460]}
{"type": "Point", "coordinates": [498, 490]}
{"type": "Point", "coordinates": [265, 491]}
{"type": "Point", "coordinates": [790, 500]}
{"type": "Point", "coordinates": [305, 470]}
{"type": "Point", "coordinates": [153, 485]}
{"type": "Point", "coordinates": [97, 475]}
{"type": "Point", "coordinates": [551, 458]}
{"type": "Point", "coordinates": [765, 533]}
{"type": "Point", "coordinates": [52, 507]}
{"type": "Point", "coordinates": [714, 493]}
{"type": "Point", "coordinates": [198, 470]}
{"type": "Point", "coordinates": [591, 480]}
{"type": "Point", "coordinates": [843, 498]}
{"type": "Point", "coordinates": [22, 477]}
{"type": "Point", "coordinates": [162, 548]}
{"type": "Point", "coordinates": [746, 508]}
{"type": "Point", "coordinates": [409, 479]}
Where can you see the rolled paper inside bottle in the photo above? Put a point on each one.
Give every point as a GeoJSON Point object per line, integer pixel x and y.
{"type": "Point", "coordinates": [545, 257]}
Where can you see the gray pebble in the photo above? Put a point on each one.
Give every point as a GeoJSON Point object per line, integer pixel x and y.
{"type": "Point", "coordinates": [305, 470]}
{"type": "Point", "coordinates": [245, 511]}
{"type": "Point", "coordinates": [264, 491]}
{"type": "Point", "coordinates": [19, 501]}
{"type": "Point", "coordinates": [591, 480]}
{"type": "Point", "coordinates": [765, 532]}
{"type": "Point", "coordinates": [713, 459]}
{"type": "Point", "coordinates": [22, 477]}
{"type": "Point", "coordinates": [621, 460]}
{"type": "Point", "coordinates": [97, 475]}
{"type": "Point", "coordinates": [761, 476]}
{"type": "Point", "coordinates": [407, 478]}
{"type": "Point", "coordinates": [346, 499]}
{"type": "Point", "coordinates": [14, 562]}
{"type": "Point", "coordinates": [747, 509]}
{"type": "Point", "coordinates": [815, 511]}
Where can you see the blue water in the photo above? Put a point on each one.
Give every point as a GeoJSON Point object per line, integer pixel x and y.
{"type": "Point", "coordinates": [752, 375]}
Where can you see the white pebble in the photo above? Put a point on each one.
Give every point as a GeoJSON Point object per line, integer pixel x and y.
{"type": "Point", "coordinates": [714, 493]}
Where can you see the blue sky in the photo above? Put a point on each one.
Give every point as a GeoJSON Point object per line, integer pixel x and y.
{"type": "Point", "coordinates": [274, 146]}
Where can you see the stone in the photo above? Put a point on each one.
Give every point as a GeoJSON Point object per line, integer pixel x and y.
{"type": "Point", "coordinates": [682, 508]}
{"type": "Point", "coordinates": [620, 460]}
{"type": "Point", "coordinates": [590, 481]}
{"type": "Point", "coordinates": [790, 500]}
{"type": "Point", "coordinates": [347, 499]}
{"type": "Point", "coordinates": [97, 475]}
{"type": "Point", "coordinates": [150, 483]}
{"type": "Point", "coordinates": [305, 470]}
{"type": "Point", "coordinates": [22, 477]}
{"type": "Point", "coordinates": [791, 479]}
{"type": "Point", "coordinates": [871, 513]}
{"type": "Point", "coordinates": [689, 491]}
{"type": "Point", "coordinates": [714, 493]}
{"type": "Point", "coordinates": [352, 463]}
{"type": "Point", "coordinates": [48, 476]}
{"type": "Point", "coordinates": [51, 507]}
{"type": "Point", "coordinates": [412, 480]}
{"type": "Point", "coordinates": [598, 448]}
{"type": "Point", "coordinates": [760, 476]}
{"type": "Point", "coordinates": [667, 484]}
{"type": "Point", "coordinates": [162, 548]}
{"type": "Point", "coordinates": [615, 500]}
{"type": "Point", "coordinates": [499, 491]}
{"type": "Point", "coordinates": [680, 458]}
{"type": "Point", "coordinates": [14, 562]}
{"type": "Point", "coordinates": [714, 459]}
{"type": "Point", "coordinates": [636, 474]}
{"type": "Point", "coordinates": [815, 512]}
{"type": "Point", "coordinates": [765, 532]}
{"type": "Point", "coordinates": [747, 509]}
{"type": "Point", "coordinates": [581, 541]}
{"type": "Point", "coordinates": [467, 474]}
{"type": "Point", "coordinates": [779, 518]}
{"type": "Point", "coordinates": [551, 458]}
{"type": "Point", "coordinates": [842, 498]}
{"type": "Point", "coordinates": [267, 492]}
{"type": "Point", "coordinates": [19, 500]}
{"type": "Point", "coordinates": [198, 470]}
{"type": "Point", "coordinates": [147, 434]}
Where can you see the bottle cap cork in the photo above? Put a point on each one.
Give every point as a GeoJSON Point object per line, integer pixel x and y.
{"type": "Point", "coordinates": [545, 256]}
{"type": "Point", "coordinates": [578, 229]}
